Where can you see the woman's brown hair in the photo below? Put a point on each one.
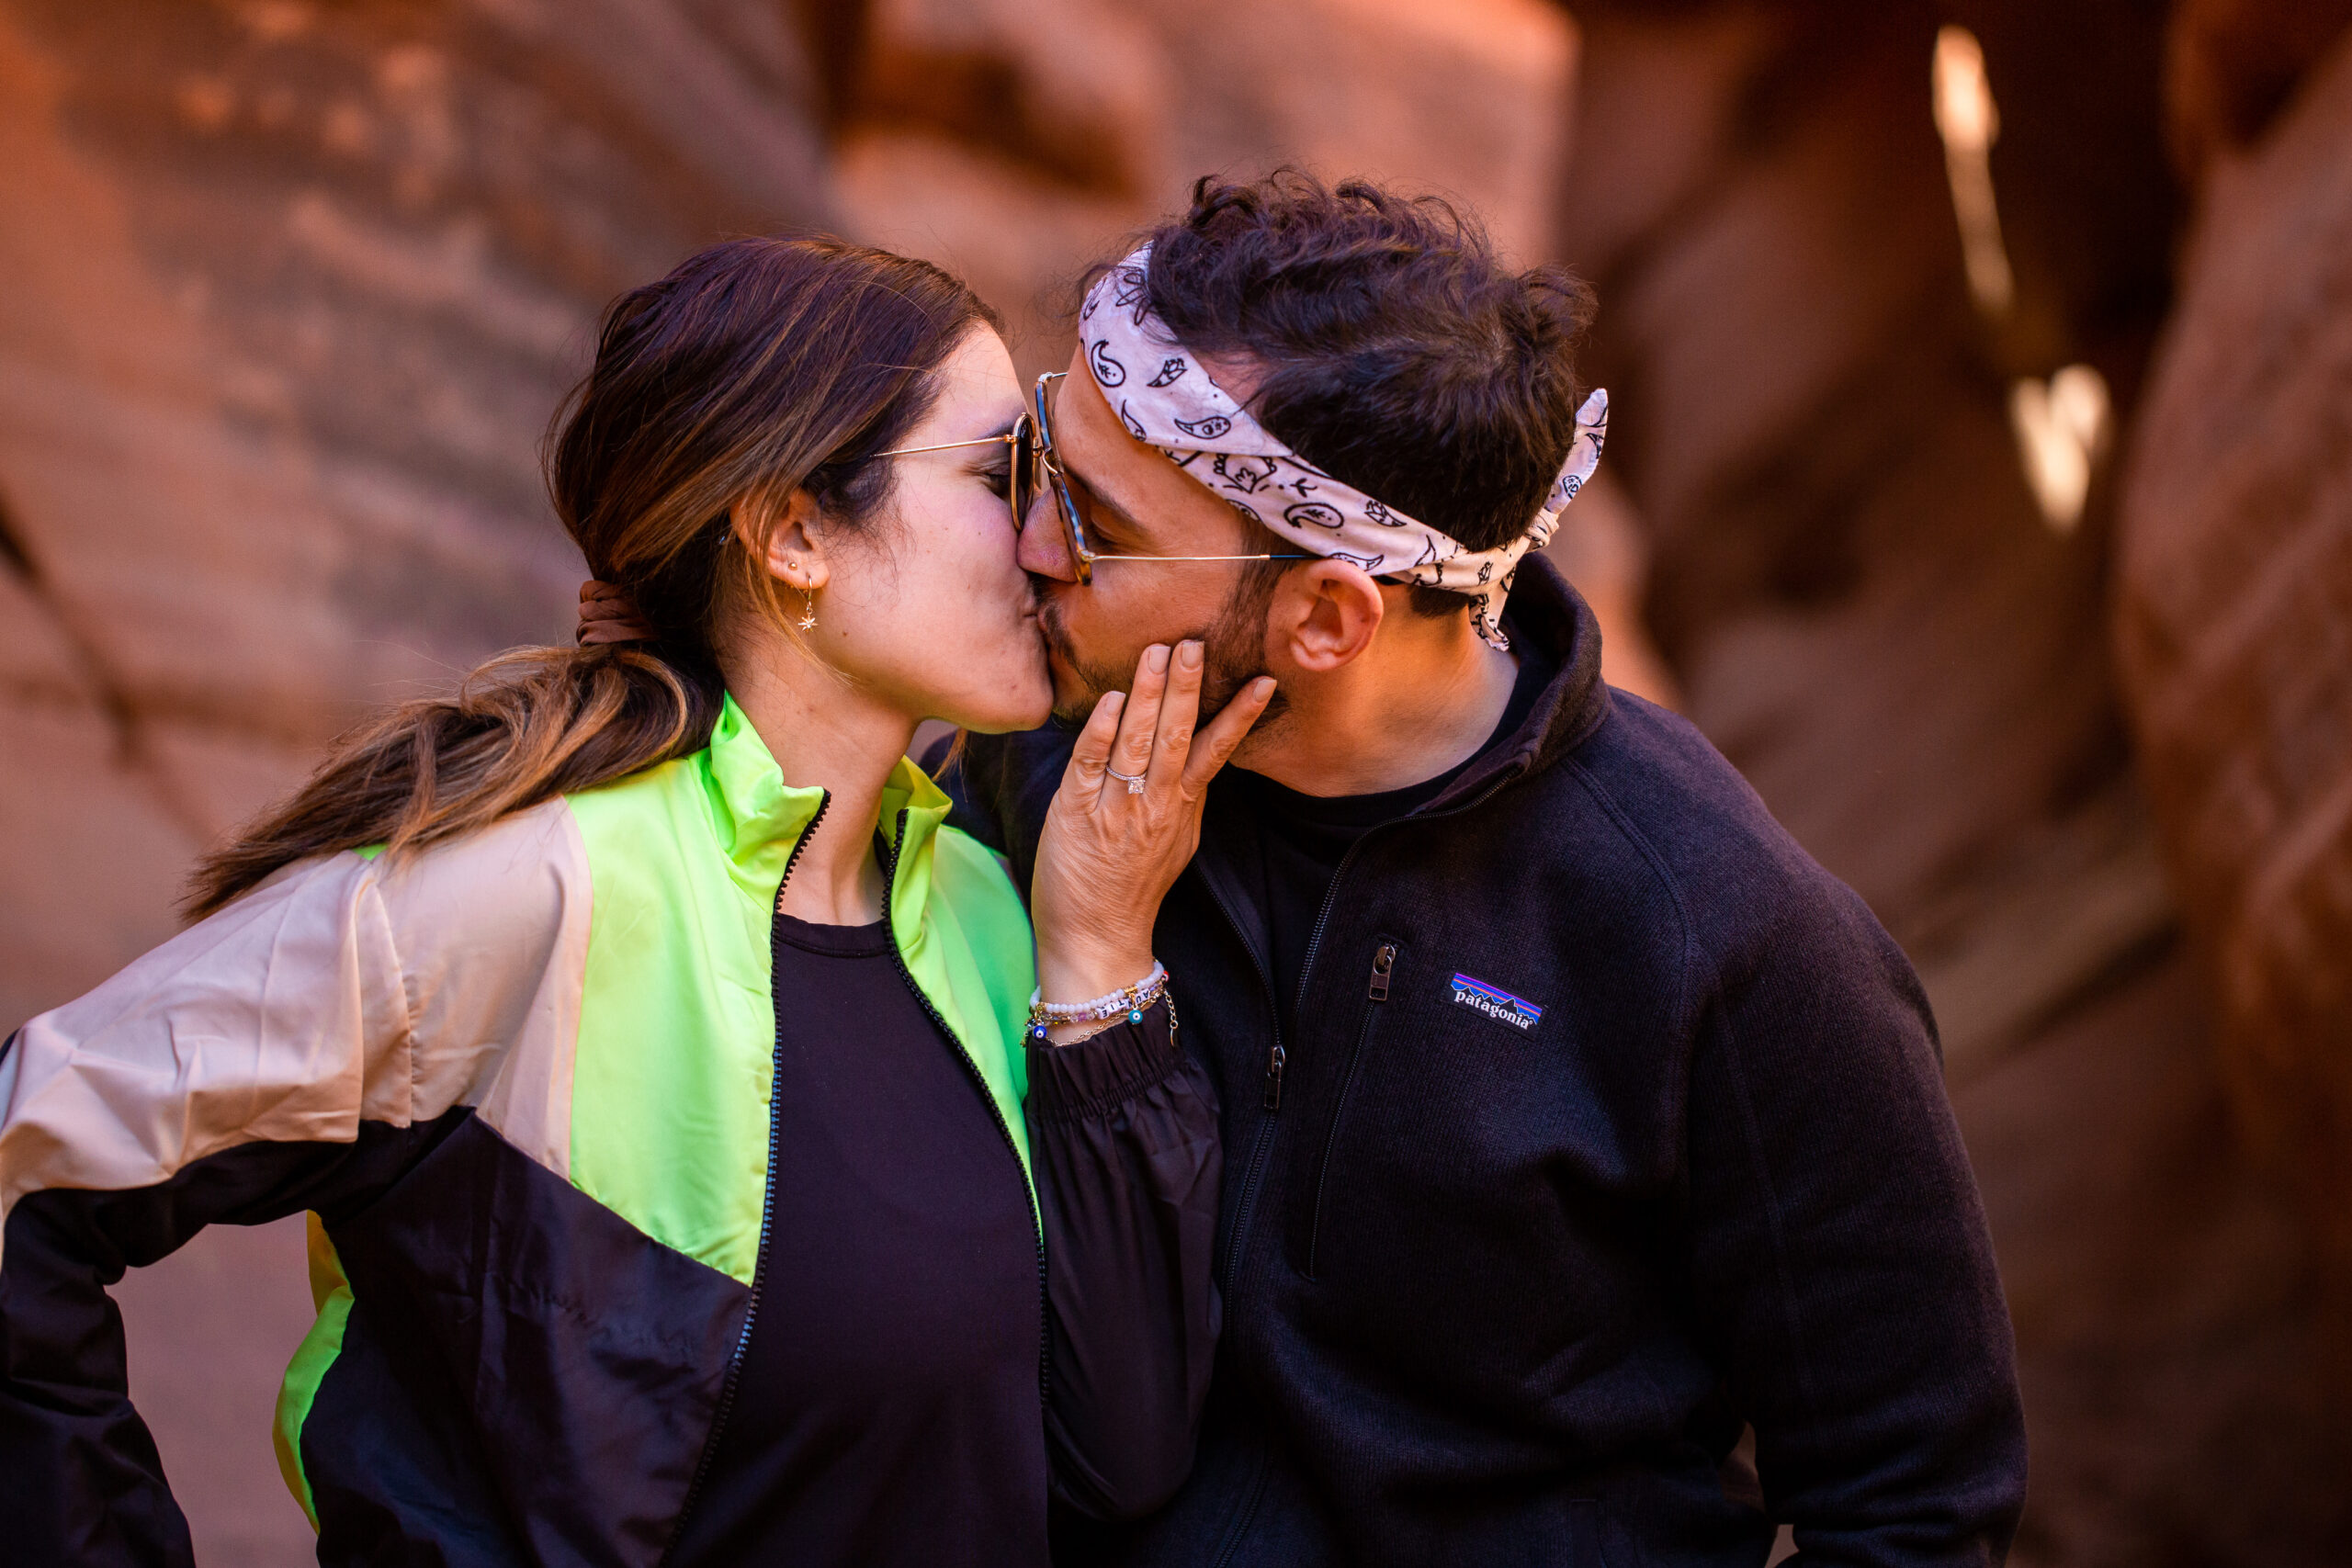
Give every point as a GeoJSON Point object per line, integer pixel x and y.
{"type": "Point", "coordinates": [757, 367]}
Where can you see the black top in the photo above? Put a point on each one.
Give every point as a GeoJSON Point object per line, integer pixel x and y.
{"type": "Point", "coordinates": [888, 1409]}
{"type": "Point", "coordinates": [1303, 838]}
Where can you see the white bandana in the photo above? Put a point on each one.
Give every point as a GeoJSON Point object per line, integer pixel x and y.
{"type": "Point", "coordinates": [1167, 399]}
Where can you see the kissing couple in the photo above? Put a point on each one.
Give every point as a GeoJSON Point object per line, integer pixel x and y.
{"type": "Point", "coordinates": [1309, 1075]}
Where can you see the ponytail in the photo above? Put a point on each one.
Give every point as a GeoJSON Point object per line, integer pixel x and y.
{"type": "Point", "coordinates": [524, 728]}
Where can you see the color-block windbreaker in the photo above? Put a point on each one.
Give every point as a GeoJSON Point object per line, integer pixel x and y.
{"type": "Point", "coordinates": [521, 1081]}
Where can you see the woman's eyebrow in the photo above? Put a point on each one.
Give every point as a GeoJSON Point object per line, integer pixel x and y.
{"type": "Point", "coordinates": [979, 443]}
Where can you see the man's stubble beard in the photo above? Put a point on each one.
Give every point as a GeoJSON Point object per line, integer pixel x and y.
{"type": "Point", "coordinates": [1233, 648]}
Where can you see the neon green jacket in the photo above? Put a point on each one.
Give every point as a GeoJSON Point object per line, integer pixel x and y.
{"type": "Point", "coordinates": [522, 1080]}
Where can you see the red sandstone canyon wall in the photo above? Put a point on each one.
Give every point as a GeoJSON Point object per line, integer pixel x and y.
{"type": "Point", "coordinates": [2233, 614]}
{"type": "Point", "coordinates": [289, 290]}
{"type": "Point", "coordinates": [1862, 602]}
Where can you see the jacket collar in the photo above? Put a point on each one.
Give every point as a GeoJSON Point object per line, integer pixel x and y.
{"type": "Point", "coordinates": [912, 809]}
{"type": "Point", "coordinates": [1544, 615]}
{"type": "Point", "coordinates": [758, 819]}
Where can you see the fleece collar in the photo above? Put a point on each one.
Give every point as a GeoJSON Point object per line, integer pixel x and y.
{"type": "Point", "coordinates": [1546, 613]}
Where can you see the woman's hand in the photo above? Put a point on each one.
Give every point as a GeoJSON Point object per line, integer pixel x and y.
{"type": "Point", "coordinates": [1110, 852]}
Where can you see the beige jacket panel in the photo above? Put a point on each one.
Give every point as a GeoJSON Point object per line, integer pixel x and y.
{"type": "Point", "coordinates": [340, 990]}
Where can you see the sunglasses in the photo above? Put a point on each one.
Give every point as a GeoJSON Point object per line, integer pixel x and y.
{"type": "Point", "coordinates": [1037, 468]}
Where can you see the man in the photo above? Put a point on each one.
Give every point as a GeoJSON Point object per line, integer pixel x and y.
{"type": "Point", "coordinates": [1574, 1118]}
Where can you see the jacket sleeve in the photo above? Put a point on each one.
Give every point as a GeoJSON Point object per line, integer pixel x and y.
{"type": "Point", "coordinates": [299, 1049]}
{"type": "Point", "coordinates": [1841, 1262]}
{"type": "Point", "coordinates": [80, 1478]}
{"type": "Point", "coordinates": [1124, 1134]}
{"type": "Point", "coordinates": [220, 1078]}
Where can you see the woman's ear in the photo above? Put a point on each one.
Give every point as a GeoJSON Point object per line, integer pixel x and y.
{"type": "Point", "coordinates": [794, 550]}
{"type": "Point", "coordinates": [1323, 614]}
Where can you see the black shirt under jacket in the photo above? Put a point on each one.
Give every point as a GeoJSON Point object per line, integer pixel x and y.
{"type": "Point", "coordinates": [888, 1407]}
{"type": "Point", "coordinates": [1611, 1122]}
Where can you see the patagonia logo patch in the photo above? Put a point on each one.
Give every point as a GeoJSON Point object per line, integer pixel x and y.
{"type": "Point", "coordinates": [1496, 1002]}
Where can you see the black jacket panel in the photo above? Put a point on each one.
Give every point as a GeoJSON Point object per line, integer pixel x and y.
{"type": "Point", "coordinates": [547, 1371]}
{"type": "Point", "coordinates": [82, 1482]}
{"type": "Point", "coordinates": [1613, 1121]}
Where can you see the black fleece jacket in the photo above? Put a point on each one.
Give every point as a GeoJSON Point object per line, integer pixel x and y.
{"type": "Point", "coordinates": [1610, 1122]}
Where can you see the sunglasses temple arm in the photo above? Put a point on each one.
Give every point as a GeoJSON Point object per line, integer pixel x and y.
{"type": "Point", "coordinates": [1007, 439]}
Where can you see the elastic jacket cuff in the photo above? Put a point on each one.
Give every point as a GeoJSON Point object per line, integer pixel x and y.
{"type": "Point", "coordinates": [1102, 1072]}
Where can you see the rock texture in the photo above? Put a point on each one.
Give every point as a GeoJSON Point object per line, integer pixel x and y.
{"type": "Point", "coordinates": [2232, 65]}
{"type": "Point", "coordinates": [288, 289]}
{"type": "Point", "coordinates": [287, 295]}
{"type": "Point", "coordinates": [2235, 624]}
{"type": "Point", "coordinates": [1013, 140]}
{"type": "Point", "coordinates": [1864, 608]}
{"type": "Point", "coordinates": [1846, 570]}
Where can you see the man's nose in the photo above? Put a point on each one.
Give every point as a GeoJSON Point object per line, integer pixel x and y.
{"type": "Point", "coordinates": [1044, 548]}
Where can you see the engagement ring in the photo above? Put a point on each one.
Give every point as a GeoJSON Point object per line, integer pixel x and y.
{"type": "Point", "coordinates": [1133, 780]}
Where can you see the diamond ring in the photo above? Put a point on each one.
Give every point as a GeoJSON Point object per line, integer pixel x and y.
{"type": "Point", "coordinates": [1133, 780]}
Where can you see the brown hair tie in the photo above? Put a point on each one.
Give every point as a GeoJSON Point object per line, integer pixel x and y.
{"type": "Point", "coordinates": [606, 615]}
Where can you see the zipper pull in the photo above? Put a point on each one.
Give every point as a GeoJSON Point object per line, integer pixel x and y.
{"type": "Point", "coordinates": [1381, 962]}
{"type": "Point", "coordinates": [1274, 1059]}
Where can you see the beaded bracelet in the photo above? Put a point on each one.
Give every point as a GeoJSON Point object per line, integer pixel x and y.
{"type": "Point", "coordinates": [1128, 999]}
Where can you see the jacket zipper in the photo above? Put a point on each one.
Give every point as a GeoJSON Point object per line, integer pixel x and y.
{"type": "Point", "coordinates": [1276, 1057]}
{"type": "Point", "coordinates": [1272, 1100]}
{"type": "Point", "coordinates": [1246, 1516]}
{"type": "Point", "coordinates": [767, 1196]}
{"type": "Point", "coordinates": [1004, 1128]}
{"type": "Point", "coordinates": [1244, 1211]}
{"type": "Point", "coordinates": [1383, 960]}
{"type": "Point", "coordinates": [1236, 1246]}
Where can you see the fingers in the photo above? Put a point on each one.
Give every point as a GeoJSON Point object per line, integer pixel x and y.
{"type": "Point", "coordinates": [1139, 725]}
{"type": "Point", "coordinates": [1178, 710]}
{"type": "Point", "coordinates": [1087, 758]}
{"type": "Point", "coordinates": [1215, 743]}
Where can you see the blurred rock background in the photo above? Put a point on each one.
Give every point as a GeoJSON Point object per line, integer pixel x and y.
{"type": "Point", "coordinates": [1983, 486]}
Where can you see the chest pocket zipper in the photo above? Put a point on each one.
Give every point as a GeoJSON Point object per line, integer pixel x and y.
{"type": "Point", "coordinates": [1383, 964]}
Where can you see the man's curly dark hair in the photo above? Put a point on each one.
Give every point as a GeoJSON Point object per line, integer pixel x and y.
{"type": "Point", "coordinates": [1402, 356]}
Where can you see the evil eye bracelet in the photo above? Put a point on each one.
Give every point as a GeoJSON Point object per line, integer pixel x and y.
{"type": "Point", "coordinates": [1129, 1000]}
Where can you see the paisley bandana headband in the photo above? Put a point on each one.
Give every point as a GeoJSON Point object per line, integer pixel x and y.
{"type": "Point", "coordinates": [1168, 400]}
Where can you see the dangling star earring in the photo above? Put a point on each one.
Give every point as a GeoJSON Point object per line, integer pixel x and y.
{"type": "Point", "coordinates": [808, 610]}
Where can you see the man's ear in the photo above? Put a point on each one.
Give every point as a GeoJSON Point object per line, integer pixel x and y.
{"type": "Point", "coordinates": [794, 549]}
{"type": "Point", "coordinates": [1323, 614]}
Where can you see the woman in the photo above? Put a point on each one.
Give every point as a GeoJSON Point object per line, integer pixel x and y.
{"type": "Point", "coordinates": [648, 1053]}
